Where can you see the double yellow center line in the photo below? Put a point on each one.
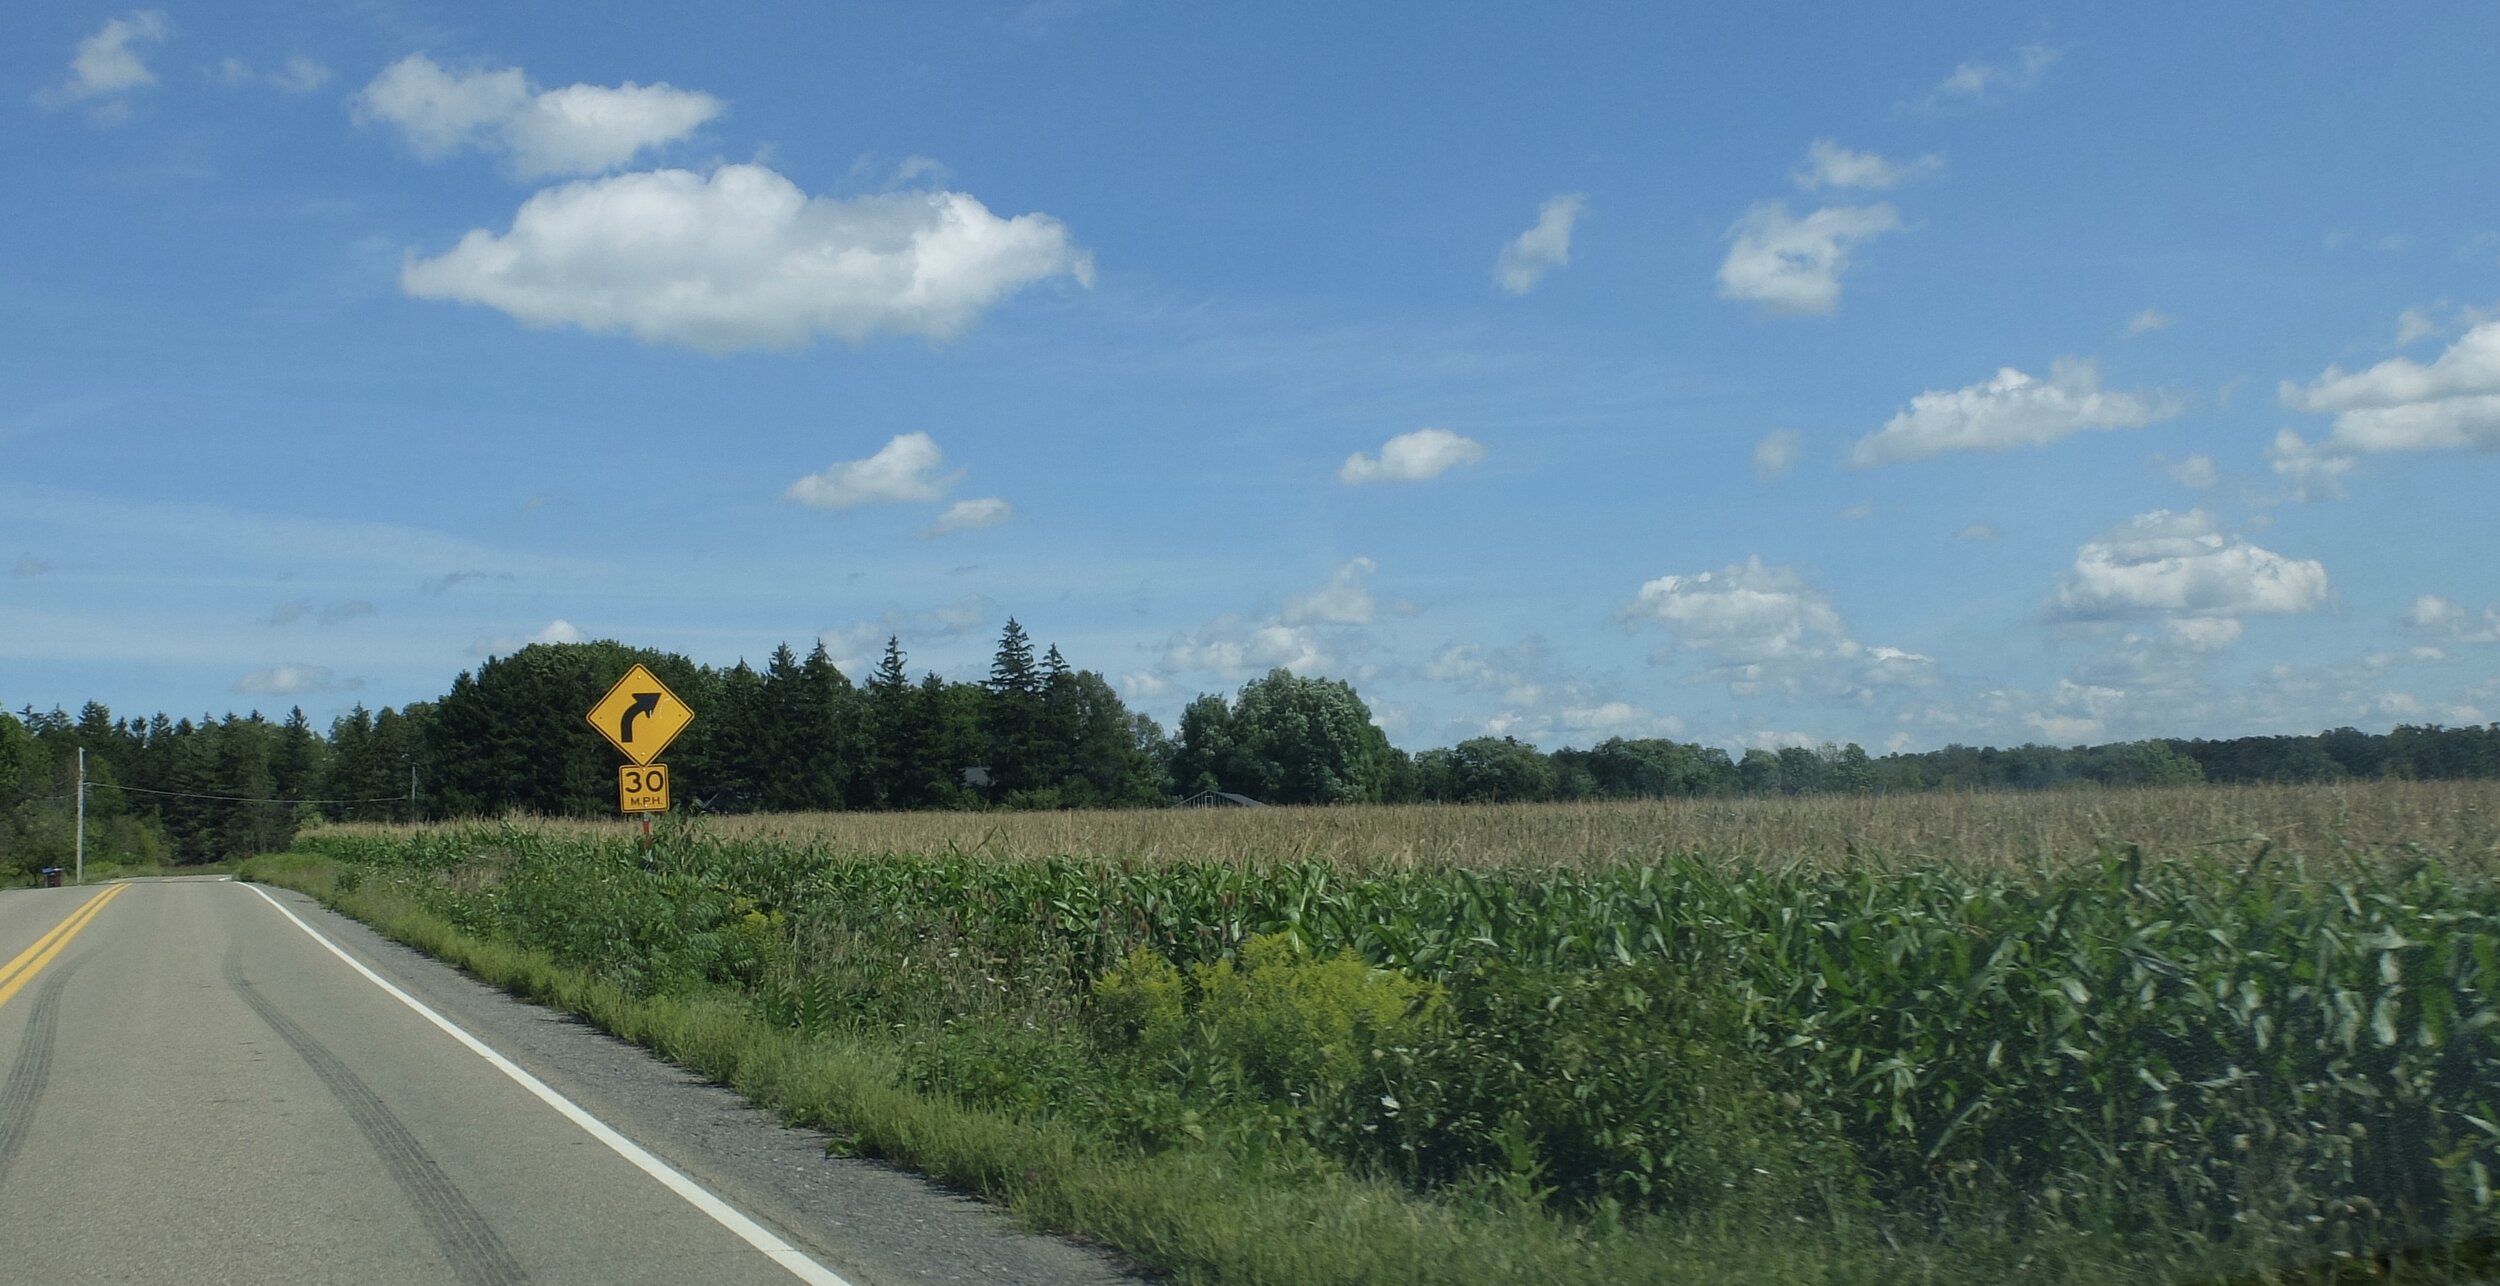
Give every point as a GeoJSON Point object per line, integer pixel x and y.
{"type": "Point", "coordinates": [18, 972]}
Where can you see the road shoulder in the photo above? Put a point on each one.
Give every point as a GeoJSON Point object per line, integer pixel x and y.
{"type": "Point", "coordinates": [870, 1222]}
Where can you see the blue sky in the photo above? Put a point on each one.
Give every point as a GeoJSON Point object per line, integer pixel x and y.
{"type": "Point", "coordinates": [1748, 375]}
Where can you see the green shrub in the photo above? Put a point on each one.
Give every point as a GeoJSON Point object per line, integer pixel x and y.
{"type": "Point", "coordinates": [1631, 1088]}
{"type": "Point", "coordinates": [1141, 1002]}
{"type": "Point", "coordinates": [1307, 1028]}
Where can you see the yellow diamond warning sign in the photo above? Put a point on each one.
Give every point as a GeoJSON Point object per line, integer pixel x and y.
{"type": "Point", "coordinates": [642, 789]}
{"type": "Point", "coordinates": [640, 716]}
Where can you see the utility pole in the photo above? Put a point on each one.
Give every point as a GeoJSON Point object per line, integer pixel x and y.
{"type": "Point", "coordinates": [412, 792]}
{"type": "Point", "coordinates": [82, 814]}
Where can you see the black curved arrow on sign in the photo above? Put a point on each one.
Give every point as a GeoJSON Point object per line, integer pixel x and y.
{"type": "Point", "coordinates": [644, 703]}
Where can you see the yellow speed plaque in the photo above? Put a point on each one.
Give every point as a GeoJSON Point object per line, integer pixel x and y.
{"type": "Point", "coordinates": [642, 788]}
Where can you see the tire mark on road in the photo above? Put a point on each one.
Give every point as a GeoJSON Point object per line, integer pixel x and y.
{"type": "Point", "coordinates": [32, 1068]}
{"type": "Point", "coordinates": [467, 1239]}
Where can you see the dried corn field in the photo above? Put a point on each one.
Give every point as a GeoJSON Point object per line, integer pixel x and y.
{"type": "Point", "coordinates": [2456, 820]}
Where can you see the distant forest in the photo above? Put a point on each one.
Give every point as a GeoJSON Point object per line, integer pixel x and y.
{"type": "Point", "coordinates": [798, 734]}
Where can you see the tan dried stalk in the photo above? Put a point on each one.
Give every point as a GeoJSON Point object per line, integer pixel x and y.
{"type": "Point", "coordinates": [2376, 818]}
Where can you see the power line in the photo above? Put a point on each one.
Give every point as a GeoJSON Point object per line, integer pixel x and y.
{"type": "Point", "coordinates": [235, 799]}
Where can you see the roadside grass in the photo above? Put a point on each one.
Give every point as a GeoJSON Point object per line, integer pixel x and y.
{"type": "Point", "coordinates": [100, 871]}
{"type": "Point", "coordinates": [1209, 1214]}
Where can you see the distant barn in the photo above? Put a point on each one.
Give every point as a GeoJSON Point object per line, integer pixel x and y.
{"type": "Point", "coordinates": [1219, 799]}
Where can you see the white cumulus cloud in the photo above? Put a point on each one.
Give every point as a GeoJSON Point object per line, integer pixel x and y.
{"type": "Point", "coordinates": [972, 515]}
{"type": "Point", "coordinates": [1345, 600]}
{"type": "Point", "coordinates": [108, 64]}
{"type": "Point", "coordinates": [2446, 621]}
{"type": "Point", "coordinates": [741, 258]}
{"type": "Point", "coordinates": [1542, 248]}
{"type": "Point", "coordinates": [2313, 470]}
{"type": "Point", "coordinates": [1791, 266]}
{"type": "Point", "coordinates": [1766, 628]}
{"type": "Point", "coordinates": [1829, 165]}
{"type": "Point", "coordinates": [2065, 729]}
{"type": "Point", "coordinates": [904, 469]}
{"type": "Point", "coordinates": [1236, 648]}
{"type": "Point", "coordinates": [857, 648]}
{"type": "Point", "coordinates": [1412, 457]}
{"type": "Point", "coordinates": [2010, 409]}
{"type": "Point", "coordinates": [578, 129]}
{"type": "Point", "coordinates": [1311, 634]}
{"type": "Point", "coordinates": [2151, 319]}
{"type": "Point", "coordinates": [2452, 403]}
{"type": "Point", "coordinates": [556, 631]}
{"type": "Point", "coordinates": [2182, 564]}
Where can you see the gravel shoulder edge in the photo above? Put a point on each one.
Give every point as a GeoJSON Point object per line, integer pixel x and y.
{"type": "Point", "coordinates": [873, 1223]}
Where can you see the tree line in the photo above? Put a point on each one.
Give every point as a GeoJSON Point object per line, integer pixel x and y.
{"type": "Point", "coordinates": [798, 734]}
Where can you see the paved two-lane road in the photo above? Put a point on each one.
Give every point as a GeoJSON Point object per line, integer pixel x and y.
{"type": "Point", "coordinates": [198, 1089]}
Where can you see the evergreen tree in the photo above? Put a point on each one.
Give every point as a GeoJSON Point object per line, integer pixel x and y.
{"type": "Point", "coordinates": [951, 715]}
{"type": "Point", "coordinates": [295, 766]}
{"type": "Point", "coordinates": [1012, 716]}
{"type": "Point", "coordinates": [737, 758]}
{"type": "Point", "coordinates": [247, 822]}
{"type": "Point", "coordinates": [351, 765]}
{"type": "Point", "coordinates": [831, 717]}
{"type": "Point", "coordinates": [1070, 717]}
{"type": "Point", "coordinates": [190, 820]}
{"type": "Point", "coordinates": [898, 763]}
{"type": "Point", "coordinates": [777, 733]}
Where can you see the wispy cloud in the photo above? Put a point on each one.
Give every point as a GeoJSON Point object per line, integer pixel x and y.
{"type": "Point", "coordinates": [1829, 165]}
{"type": "Point", "coordinates": [449, 581]}
{"type": "Point", "coordinates": [107, 66]}
{"type": "Point", "coordinates": [1542, 248]}
{"type": "Point", "coordinates": [1775, 454]}
{"type": "Point", "coordinates": [295, 680]}
{"type": "Point", "coordinates": [578, 129]}
{"type": "Point", "coordinates": [972, 515]}
{"type": "Point", "coordinates": [1974, 83]}
{"type": "Point", "coordinates": [298, 75]}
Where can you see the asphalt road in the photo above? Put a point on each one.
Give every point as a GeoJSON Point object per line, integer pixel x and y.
{"type": "Point", "coordinates": [197, 1089]}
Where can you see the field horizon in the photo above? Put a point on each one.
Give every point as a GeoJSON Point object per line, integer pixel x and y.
{"type": "Point", "coordinates": [2451, 819]}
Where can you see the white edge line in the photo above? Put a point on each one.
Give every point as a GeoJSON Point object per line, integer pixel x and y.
{"type": "Point", "coordinates": [791, 1258]}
